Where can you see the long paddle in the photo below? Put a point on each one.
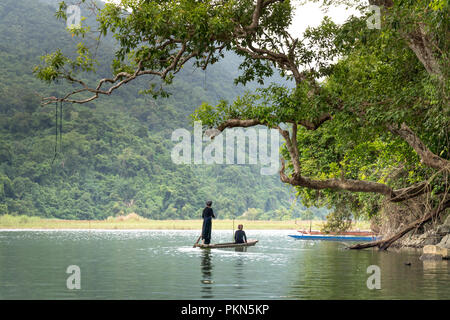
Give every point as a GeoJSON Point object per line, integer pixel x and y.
{"type": "Point", "coordinates": [195, 244]}
{"type": "Point", "coordinates": [232, 233]}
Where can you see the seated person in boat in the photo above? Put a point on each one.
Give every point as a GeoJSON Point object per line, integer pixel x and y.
{"type": "Point", "coordinates": [207, 216]}
{"type": "Point", "coordinates": [239, 235]}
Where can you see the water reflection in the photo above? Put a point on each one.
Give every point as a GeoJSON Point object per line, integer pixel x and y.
{"type": "Point", "coordinates": [433, 273]}
{"type": "Point", "coordinates": [326, 271]}
{"type": "Point", "coordinates": [431, 266]}
{"type": "Point", "coordinates": [206, 268]}
{"type": "Point", "coordinates": [240, 268]}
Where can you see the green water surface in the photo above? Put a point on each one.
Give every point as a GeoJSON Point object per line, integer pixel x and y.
{"type": "Point", "coordinates": [163, 265]}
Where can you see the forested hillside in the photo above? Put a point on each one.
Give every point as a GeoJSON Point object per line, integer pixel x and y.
{"type": "Point", "coordinates": [114, 155]}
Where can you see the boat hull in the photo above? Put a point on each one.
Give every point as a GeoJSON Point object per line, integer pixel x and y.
{"type": "Point", "coordinates": [226, 245]}
{"type": "Point", "coordinates": [333, 238]}
{"type": "Point", "coordinates": [344, 233]}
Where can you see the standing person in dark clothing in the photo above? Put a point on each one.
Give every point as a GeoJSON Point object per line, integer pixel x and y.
{"type": "Point", "coordinates": [239, 235]}
{"type": "Point", "coordinates": [207, 216]}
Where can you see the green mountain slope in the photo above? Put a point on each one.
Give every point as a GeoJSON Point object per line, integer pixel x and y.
{"type": "Point", "coordinates": [114, 156]}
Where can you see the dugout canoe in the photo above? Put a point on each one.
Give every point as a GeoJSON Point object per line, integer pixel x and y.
{"type": "Point", "coordinates": [226, 245]}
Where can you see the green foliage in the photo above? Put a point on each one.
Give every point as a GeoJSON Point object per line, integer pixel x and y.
{"type": "Point", "coordinates": [251, 214]}
{"type": "Point", "coordinates": [370, 79]}
{"type": "Point", "coordinates": [337, 222]}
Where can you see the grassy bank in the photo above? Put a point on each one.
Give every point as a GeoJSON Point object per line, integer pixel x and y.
{"type": "Point", "coordinates": [135, 222]}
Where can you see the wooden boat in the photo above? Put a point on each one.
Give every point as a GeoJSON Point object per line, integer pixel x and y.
{"type": "Point", "coordinates": [334, 237]}
{"type": "Point", "coordinates": [344, 233]}
{"type": "Point", "coordinates": [249, 243]}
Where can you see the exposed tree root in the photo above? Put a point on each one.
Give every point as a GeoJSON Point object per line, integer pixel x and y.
{"type": "Point", "coordinates": [384, 244]}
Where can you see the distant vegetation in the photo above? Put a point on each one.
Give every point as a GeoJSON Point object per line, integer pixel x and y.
{"type": "Point", "coordinates": [133, 221]}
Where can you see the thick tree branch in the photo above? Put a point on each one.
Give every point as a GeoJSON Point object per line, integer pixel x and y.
{"type": "Point", "coordinates": [427, 157]}
{"type": "Point", "coordinates": [233, 123]}
{"type": "Point", "coordinates": [351, 185]}
{"type": "Point", "coordinates": [419, 42]}
{"type": "Point", "coordinates": [314, 125]}
{"type": "Point", "coordinates": [179, 58]}
{"type": "Point", "coordinates": [336, 184]}
{"type": "Point", "coordinates": [245, 123]}
{"type": "Point", "coordinates": [260, 4]}
{"type": "Point", "coordinates": [292, 148]}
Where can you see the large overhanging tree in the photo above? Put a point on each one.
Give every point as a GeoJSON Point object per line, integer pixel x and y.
{"type": "Point", "coordinates": [366, 121]}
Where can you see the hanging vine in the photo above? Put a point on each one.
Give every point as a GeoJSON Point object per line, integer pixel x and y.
{"type": "Point", "coordinates": [58, 124]}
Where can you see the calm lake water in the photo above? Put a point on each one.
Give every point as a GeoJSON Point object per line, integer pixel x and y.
{"type": "Point", "coordinates": [163, 265]}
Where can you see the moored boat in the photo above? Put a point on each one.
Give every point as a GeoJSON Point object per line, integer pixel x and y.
{"type": "Point", "coordinates": [343, 233]}
{"type": "Point", "coordinates": [334, 237]}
